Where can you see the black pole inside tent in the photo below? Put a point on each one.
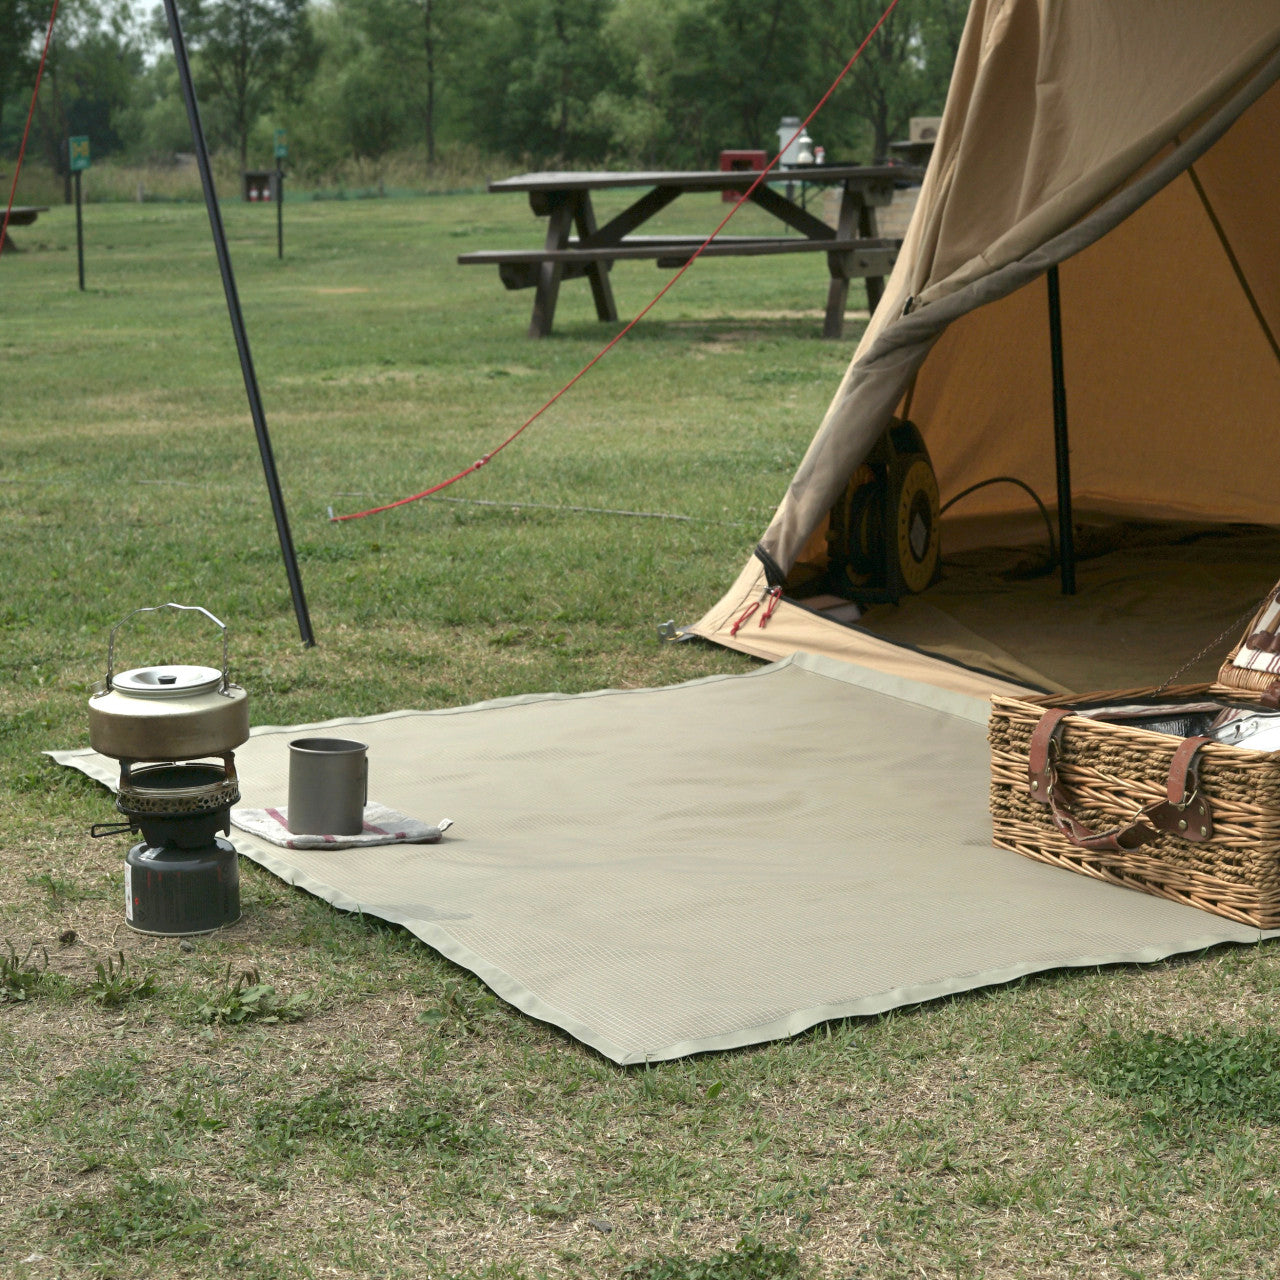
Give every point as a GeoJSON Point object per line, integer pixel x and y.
{"type": "Point", "coordinates": [237, 326]}
{"type": "Point", "coordinates": [1061, 445]}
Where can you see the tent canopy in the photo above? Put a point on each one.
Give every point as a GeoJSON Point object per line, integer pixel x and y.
{"type": "Point", "coordinates": [1133, 144]}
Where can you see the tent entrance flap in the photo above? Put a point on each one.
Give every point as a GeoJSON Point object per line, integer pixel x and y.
{"type": "Point", "coordinates": [1129, 148]}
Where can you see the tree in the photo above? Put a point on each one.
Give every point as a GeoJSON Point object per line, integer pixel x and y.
{"type": "Point", "coordinates": [21, 22]}
{"type": "Point", "coordinates": [577, 82]}
{"type": "Point", "coordinates": [743, 67]}
{"type": "Point", "coordinates": [154, 126]}
{"type": "Point", "coordinates": [247, 54]}
{"type": "Point", "coordinates": [904, 70]}
{"type": "Point", "coordinates": [637, 110]}
{"type": "Point", "coordinates": [374, 87]}
{"type": "Point", "coordinates": [410, 38]}
{"type": "Point", "coordinates": [94, 58]}
{"type": "Point", "coordinates": [941, 26]}
{"type": "Point", "coordinates": [536, 67]}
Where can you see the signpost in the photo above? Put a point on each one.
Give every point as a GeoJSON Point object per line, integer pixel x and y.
{"type": "Point", "coordinates": [282, 152]}
{"type": "Point", "coordinates": [78, 158]}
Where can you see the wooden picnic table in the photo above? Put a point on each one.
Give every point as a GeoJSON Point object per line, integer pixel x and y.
{"type": "Point", "coordinates": [852, 246]}
{"type": "Point", "coordinates": [21, 215]}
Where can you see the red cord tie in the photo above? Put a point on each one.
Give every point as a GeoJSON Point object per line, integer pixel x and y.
{"type": "Point", "coordinates": [774, 596]}
{"type": "Point", "coordinates": [746, 613]}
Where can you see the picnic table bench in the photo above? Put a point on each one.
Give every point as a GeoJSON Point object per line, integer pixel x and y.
{"type": "Point", "coordinates": [21, 215]}
{"type": "Point", "coordinates": [853, 248]}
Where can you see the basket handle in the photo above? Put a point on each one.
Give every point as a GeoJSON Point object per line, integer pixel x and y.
{"type": "Point", "coordinates": [1185, 811]}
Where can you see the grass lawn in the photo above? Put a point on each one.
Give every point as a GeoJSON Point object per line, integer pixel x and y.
{"type": "Point", "coordinates": [376, 1112]}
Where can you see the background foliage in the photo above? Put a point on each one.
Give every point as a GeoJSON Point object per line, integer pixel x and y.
{"type": "Point", "coordinates": [542, 82]}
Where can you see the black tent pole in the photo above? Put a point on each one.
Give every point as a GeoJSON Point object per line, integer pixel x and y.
{"type": "Point", "coordinates": [1061, 446]}
{"type": "Point", "coordinates": [237, 326]}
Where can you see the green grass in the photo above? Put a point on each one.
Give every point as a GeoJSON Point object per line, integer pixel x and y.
{"type": "Point", "coordinates": [400, 1121]}
{"type": "Point", "coordinates": [750, 1260]}
{"type": "Point", "coordinates": [1218, 1076]}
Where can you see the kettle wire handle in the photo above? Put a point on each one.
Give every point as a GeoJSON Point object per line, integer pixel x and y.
{"type": "Point", "coordinates": [186, 608]}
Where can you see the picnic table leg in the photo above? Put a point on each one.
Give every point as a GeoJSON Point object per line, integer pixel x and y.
{"type": "Point", "coordinates": [584, 219]}
{"type": "Point", "coordinates": [560, 208]}
{"type": "Point", "coordinates": [851, 208]}
{"type": "Point", "coordinates": [868, 230]}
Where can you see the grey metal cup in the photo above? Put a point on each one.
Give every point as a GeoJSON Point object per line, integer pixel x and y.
{"type": "Point", "coordinates": [328, 786]}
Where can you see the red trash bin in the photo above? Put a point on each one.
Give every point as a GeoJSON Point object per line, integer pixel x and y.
{"type": "Point", "coordinates": [747, 161]}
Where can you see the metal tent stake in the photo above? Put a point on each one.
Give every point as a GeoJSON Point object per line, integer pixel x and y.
{"type": "Point", "coordinates": [1061, 445]}
{"type": "Point", "coordinates": [237, 326]}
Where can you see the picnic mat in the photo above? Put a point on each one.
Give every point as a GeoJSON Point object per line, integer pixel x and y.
{"type": "Point", "coordinates": [661, 872]}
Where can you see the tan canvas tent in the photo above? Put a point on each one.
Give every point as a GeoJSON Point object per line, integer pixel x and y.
{"type": "Point", "coordinates": [1134, 144]}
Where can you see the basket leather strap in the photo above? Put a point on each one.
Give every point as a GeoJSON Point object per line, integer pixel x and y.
{"type": "Point", "coordinates": [1185, 811]}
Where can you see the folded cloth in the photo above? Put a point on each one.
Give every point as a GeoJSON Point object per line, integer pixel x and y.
{"type": "Point", "coordinates": [381, 826]}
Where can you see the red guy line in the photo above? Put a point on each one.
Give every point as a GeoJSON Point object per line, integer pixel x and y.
{"type": "Point", "coordinates": [604, 351]}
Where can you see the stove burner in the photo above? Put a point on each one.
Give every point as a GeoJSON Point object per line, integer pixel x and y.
{"type": "Point", "coordinates": [182, 879]}
{"type": "Point", "coordinates": [178, 788]}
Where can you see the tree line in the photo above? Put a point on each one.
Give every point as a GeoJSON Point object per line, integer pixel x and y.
{"type": "Point", "coordinates": [540, 83]}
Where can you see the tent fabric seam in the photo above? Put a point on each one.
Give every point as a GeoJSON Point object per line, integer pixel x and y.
{"type": "Point", "coordinates": [1237, 270]}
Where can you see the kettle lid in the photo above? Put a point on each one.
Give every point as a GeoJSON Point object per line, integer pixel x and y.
{"type": "Point", "coordinates": [171, 681]}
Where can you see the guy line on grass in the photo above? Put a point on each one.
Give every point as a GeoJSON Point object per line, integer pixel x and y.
{"type": "Point", "coordinates": [469, 502]}
{"type": "Point", "coordinates": [549, 506]}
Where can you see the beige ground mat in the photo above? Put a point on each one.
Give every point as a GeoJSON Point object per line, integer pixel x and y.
{"type": "Point", "coordinates": [661, 872]}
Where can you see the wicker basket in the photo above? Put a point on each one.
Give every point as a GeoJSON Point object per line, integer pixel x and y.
{"type": "Point", "coordinates": [1145, 790]}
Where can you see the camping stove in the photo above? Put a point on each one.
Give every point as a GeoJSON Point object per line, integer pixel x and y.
{"type": "Point", "coordinates": [162, 723]}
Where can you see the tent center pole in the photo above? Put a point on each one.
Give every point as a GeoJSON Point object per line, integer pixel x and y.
{"type": "Point", "coordinates": [1061, 444]}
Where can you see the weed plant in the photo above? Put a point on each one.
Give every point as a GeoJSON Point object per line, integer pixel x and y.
{"type": "Point", "coordinates": [246, 998]}
{"type": "Point", "coordinates": [115, 982]}
{"type": "Point", "coordinates": [178, 180]}
{"type": "Point", "coordinates": [21, 976]}
{"type": "Point", "coordinates": [136, 1213]}
{"type": "Point", "coordinates": [335, 1116]}
{"type": "Point", "coordinates": [411, 1125]}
